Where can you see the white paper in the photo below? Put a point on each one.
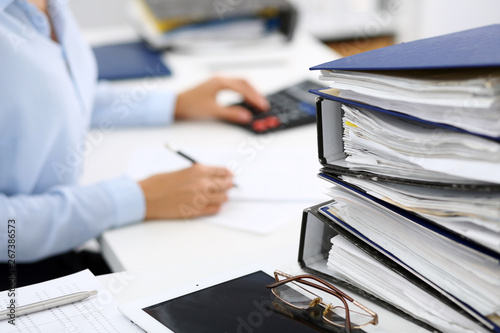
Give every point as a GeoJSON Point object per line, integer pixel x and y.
{"type": "Point", "coordinates": [467, 98]}
{"type": "Point", "coordinates": [95, 314]}
{"type": "Point", "coordinates": [257, 217]}
{"type": "Point", "coordinates": [475, 215]}
{"type": "Point", "coordinates": [392, 146]}
{"type": "Point", "coordinates": [273, 185]}
{"type": "Point", "coordinates": [461, 271]}
{"type": "Point", "coordinates": [349, 263]}
{"type": "Point", "coordinates": [270, 174]}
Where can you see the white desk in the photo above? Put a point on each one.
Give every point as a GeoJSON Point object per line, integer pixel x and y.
{"type": "Point", "coordinates": [133, 285]}
{"type": "Point", "coordinates": [175, 242]}
{"type": "Point", "coordinates": [166, 254]}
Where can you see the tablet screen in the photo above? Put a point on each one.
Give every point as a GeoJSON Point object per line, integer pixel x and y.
{"type": "Point", "coordinates": [242, 305]}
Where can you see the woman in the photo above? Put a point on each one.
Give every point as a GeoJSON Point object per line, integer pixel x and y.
{"type": "Point", "coordinates": [49, 98]}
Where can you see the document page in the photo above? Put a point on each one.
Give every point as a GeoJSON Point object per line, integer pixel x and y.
{"type": "Point", "coordinates": [257, 217]}
{"type": "Point", "coordinates": [392, 146]}
{"type": "Point", "coordinates": [270, 174]}
{"type": "Point", "coordinates": [474, 214]}
{"type": "Point", "coordinates": [348, 262]}
{"type": "Point", "coordinates": [461, 271]}
{"type": "Point", "coordinates": [97, 313]}
{"type": "Point", "coordinates": [272, 185]}
{"type": "Point", "coordinates": [464, 98]}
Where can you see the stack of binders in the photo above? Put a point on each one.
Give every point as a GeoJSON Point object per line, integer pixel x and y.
{"type": "Point", "coordinates": [191, 25]}
{"type": "Point", "coordinates": [409, 136]}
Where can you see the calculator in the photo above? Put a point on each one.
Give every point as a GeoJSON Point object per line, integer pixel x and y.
{"type": "Point", "coordinates": [289, 107]}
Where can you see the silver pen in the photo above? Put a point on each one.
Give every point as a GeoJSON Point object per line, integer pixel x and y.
{"type": "Point", "coordinates": [48, 304]}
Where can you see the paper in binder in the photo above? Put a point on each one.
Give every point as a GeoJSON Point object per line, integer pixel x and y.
{"type": "Point", "coordinates": [408, 296]}
{"type": "Point", "coordinates": [410, 137]}
{"type": "Point", "coordinates": [418, 290]}
{"type": "Point", "coordinates": [452, 79]}
{"type": "Point", "coordinates": [403, 163]}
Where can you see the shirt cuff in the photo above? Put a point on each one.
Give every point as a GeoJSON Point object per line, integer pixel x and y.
{"type": "Point", "coordinates": [128, 199]}
{"type": "Point", "coordinates": [160, 108]}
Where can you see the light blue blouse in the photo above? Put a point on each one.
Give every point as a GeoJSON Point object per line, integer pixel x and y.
{"type": "Point", "coordinates": [49, 98]}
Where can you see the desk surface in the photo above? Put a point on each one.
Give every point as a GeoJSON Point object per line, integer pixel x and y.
{"type": "Point", "coordinates": [133, 285]}
{"type": "Point", "coordinates": [166, 254]}
{"type": "Point", "coordinates": [173, 242]}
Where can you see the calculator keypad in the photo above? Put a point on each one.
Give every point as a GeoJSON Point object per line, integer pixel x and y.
{"type": "Point", "coordinates": [288, 108]}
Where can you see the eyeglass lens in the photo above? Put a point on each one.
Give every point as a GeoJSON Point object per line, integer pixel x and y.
{"type": "Point", "coordinates": [336, 315]}
{"type": "Point", "coordinates": [293, 297]}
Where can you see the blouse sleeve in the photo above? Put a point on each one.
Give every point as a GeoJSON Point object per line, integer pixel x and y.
{"type": "Point", "coordinates": [140, 104]}
{"type": "Point", "coordinates": [66, 216]}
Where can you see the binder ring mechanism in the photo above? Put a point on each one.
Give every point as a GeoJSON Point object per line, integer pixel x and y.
{"type": "Point", "coordinates": [338, 308]}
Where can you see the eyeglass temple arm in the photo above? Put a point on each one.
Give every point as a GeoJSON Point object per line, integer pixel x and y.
{"type": "Point", "coordinates": [373, 314]}
{"type": "Point", "coordinates": [289, 278]}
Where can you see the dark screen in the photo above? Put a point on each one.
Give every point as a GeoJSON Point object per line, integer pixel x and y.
{"type": "Point", "coordinates": [242, 305]}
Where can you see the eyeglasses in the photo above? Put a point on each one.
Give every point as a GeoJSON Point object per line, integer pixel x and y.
{"type": "Point", "coordinates": [335, 313]}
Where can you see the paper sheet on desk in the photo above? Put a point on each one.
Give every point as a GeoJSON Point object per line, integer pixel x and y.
{"type": "Point", "coordinates": [257, 217]}
{"type": "Point", "coordinates": [273, 185]}
{"type": "Point", "coordinates": [95, 314]}
{"type": "Point", "coordinates": [270, 174]}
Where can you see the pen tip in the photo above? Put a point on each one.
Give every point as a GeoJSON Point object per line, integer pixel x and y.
{"type": "Point", "coordinates": [171, 147]}
{"type": "Point", "coordinates": [93, 292]}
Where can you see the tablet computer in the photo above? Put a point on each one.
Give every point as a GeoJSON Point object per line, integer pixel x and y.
{"type": "Point", "coordinates": [237, 301]}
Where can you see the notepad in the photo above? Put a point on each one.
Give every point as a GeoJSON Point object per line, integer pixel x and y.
{"type": "Point", "coordinates": [95, 314]}
{"type": "Point", "coordinates": [130, 60]}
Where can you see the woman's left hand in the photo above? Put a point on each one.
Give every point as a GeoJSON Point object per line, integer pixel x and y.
{"type": "Point", "coordinates": [200, 101]}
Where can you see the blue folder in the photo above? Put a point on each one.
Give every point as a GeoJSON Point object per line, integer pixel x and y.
{"type": "Point", "coordinates": [129, 61]}
{"type": "Point", "coordinates": [479, 47]}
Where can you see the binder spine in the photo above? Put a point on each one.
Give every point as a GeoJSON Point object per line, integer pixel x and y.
{"type": "Point", "coordinates": [319, 126]}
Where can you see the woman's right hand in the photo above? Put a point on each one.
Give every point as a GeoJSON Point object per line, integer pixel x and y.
{"type": "Point", "coordinates": [196, 191]}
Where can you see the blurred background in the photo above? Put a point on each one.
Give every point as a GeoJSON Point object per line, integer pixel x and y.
{"type": "Point", "coordinates": [347, 26]}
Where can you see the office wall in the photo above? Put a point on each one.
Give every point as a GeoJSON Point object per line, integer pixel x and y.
{"type": "Point", "coordinates": [408, 19]}
{"type": "Point", "coordinates": [99, 13]}
{"type": "Point", "coordinates": [330, 19]}
{"type": "Point", "coordinates": [341, 19]}
{"type": "Point", "coordinates": [427, 18]}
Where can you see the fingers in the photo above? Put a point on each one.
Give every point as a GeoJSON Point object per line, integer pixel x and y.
{"type": "Point", "coordinates": [210, 192]}
{"type": "Point", "coordinates": [200, 102]}
{"type": "Point", "coordinates": [195, 191]}
{"type": "Point", "coordinates": [211, 210]}
{"type": "Point", "coordinates": [235, 114]}
{"type": "Point", "coordinates": [241, 86]}
{"type": "Point", "coordinates": [215, 183]}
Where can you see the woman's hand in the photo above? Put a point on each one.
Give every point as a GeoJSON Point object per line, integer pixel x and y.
{"type": "Point", "coordinates": [200, 101]}
{"type": "Point", "coordinates": [195, 191]}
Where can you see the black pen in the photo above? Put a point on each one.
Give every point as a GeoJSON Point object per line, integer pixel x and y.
{"type": "Point", "coordinates": [180, 153]}
{"type": "Point", "coordinates": [187, 157]}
